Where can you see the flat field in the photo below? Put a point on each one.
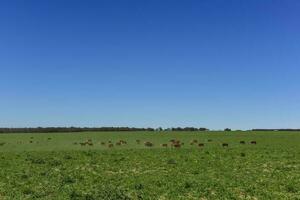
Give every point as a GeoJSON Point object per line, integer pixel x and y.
{"type": "Point", "coordinates": [83, 166]}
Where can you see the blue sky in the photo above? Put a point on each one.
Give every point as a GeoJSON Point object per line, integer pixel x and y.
{"type": "Point", "coordinates": [213, 63]}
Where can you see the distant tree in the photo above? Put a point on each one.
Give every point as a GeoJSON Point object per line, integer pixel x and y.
{"type": "Point", "coordinates": [159, 129]}
{"type": "Point", "coordinates": [187, 129]}
{"type": "Point", "coordinates": [177, 129]}
{"type": "Point", "coordinates": [227, 129]}
{"type": "Point", "coordinates": [203, 129]}
{"type": "Point", "coordinates": [69, 129]}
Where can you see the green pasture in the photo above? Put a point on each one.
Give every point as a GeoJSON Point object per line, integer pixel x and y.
{"type": "Point", "coordinates": [56, 166]}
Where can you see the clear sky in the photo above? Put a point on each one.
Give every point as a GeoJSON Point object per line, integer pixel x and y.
{"type": "Point", "coordinates": [210, 63]}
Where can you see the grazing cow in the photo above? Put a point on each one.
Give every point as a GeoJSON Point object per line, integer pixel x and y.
{"type": "Point", "coordinates": [177, 145]}
{"type": "Point", "coordinates": [164, 145]}
{"type": "Point", "coordinates": [176, 142]}
{"type": "Point", "coordinates": [253, 142]}
{"type": "Point", "coordinates": [118, 143]}
{"type": "Point", "coordinates": [148, 144]}
{"type": "Point", "coordinates": [110, 145]}
{"type": "Point", "coordinates": [201, 145]}
{"type": "Point", "coordinates": [82, 143]}
{"type": "Point", "coordinates": [172, 140]}
{"type": "Point", "coordinates": [89, 142]}
{"type": "Point", "coordinates": [123, 142]}
{"type": "Point", "coordinates": [225, 145]}
{"type": "Point", "coordinates": [242, 142]}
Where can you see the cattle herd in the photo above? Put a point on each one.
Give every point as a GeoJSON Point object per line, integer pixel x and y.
{"type": "Point", "coordinates": [173, 143]}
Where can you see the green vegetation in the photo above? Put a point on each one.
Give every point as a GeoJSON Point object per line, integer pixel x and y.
{"type": "Point", "coordinates": [57, 166]}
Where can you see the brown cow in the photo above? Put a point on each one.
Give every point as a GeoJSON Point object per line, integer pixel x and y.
{"type": "Point", "coordinates": [176, 142]}
{"type": "Point", "coordinates": [82, 143]}
{"type": "Point", "coordinates": [118, 143]}
{"type": "Point", "coordinates": [253, 142]}
{"type": "Point", "coordinates": [225, 145]}
{"type": "Point", "coordinates": [148, 144]}
{"type": "Point", "coordinates": [172, 140]}
{"type": "Point", "coordinates": [177, 145]}
{"type": "Point", "coordinates": [110, 145]}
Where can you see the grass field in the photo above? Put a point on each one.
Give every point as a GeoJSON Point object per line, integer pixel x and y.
{"type": "Point", "coordinates": [57, 166]}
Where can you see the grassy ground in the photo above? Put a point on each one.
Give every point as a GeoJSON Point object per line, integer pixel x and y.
{"type": "Point", "coordinates": [56, 166]}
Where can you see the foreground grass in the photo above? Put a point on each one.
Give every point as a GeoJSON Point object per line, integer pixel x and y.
{"type": "Point", "coordinates": [58, 169]}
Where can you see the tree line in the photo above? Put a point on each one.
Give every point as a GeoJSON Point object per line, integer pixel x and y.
{"type": "Point", "coordinates": [102, 129]}
{"type": "Point", "coordinates": [288, 129]}
{"type": "Point", "coordinates": [96, 129]}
